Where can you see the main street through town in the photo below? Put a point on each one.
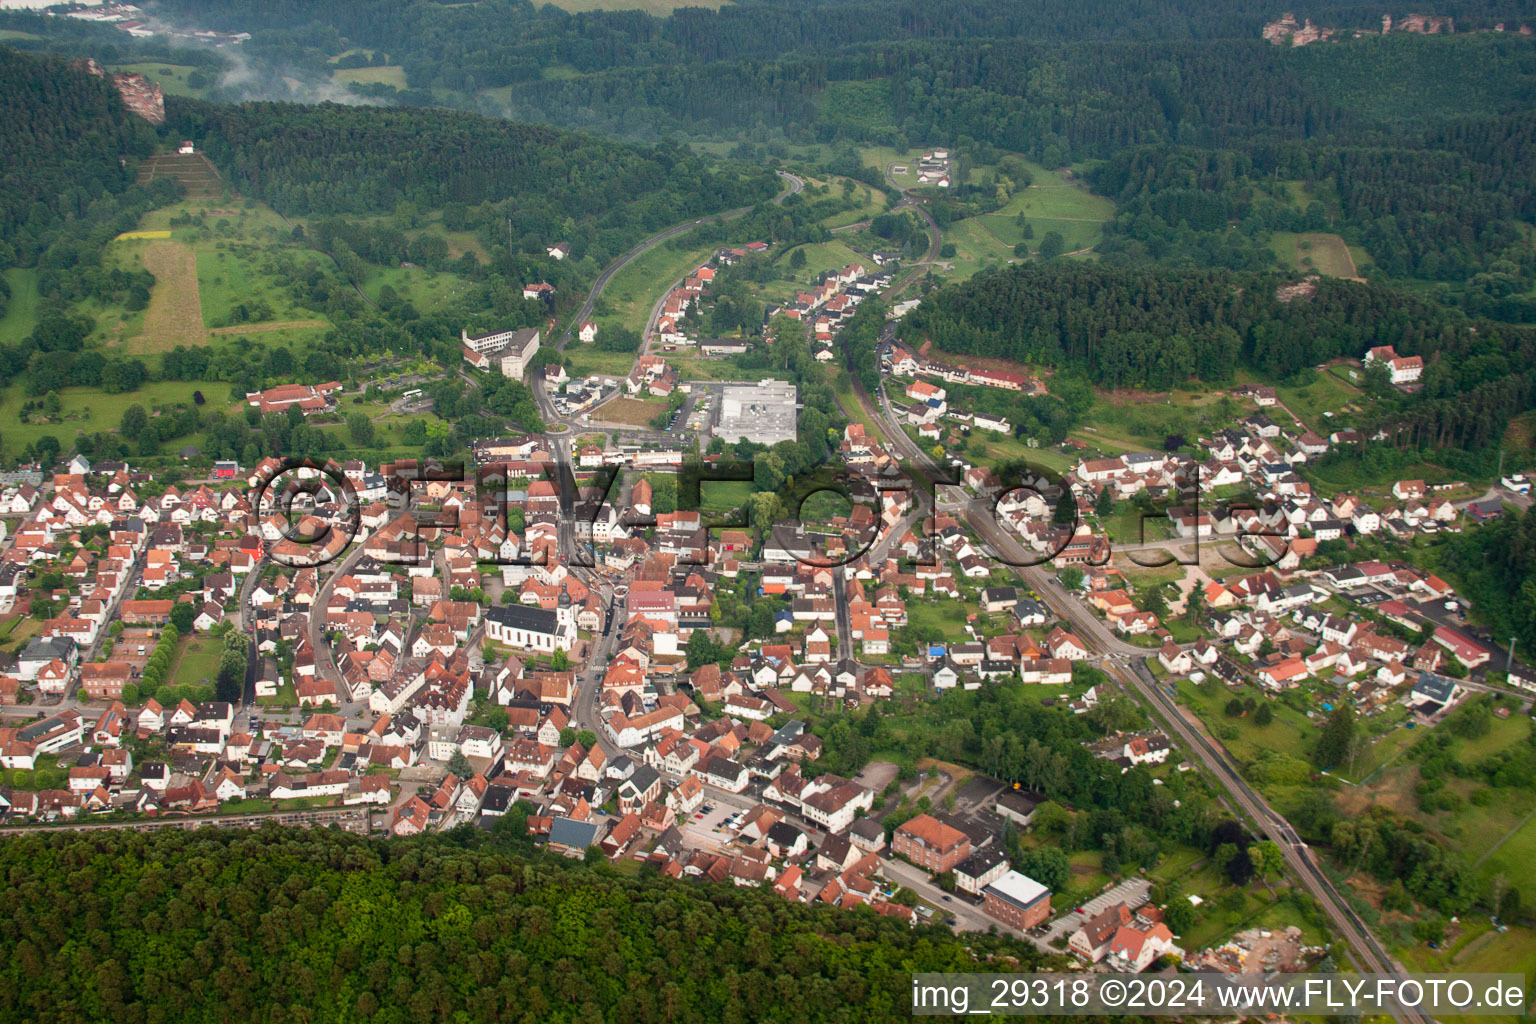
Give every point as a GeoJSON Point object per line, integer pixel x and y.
{"type": "Point", "coordinates": [1126, 665]}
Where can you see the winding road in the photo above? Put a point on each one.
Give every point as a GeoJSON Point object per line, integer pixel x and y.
{"type": "Point", "coordinates": [793, 185]}
{"type": "Point", "coordinates": [935, 237]}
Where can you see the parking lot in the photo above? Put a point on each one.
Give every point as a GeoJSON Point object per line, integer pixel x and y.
{"type": "Point", "coordinates": [1132, 892]}
{"type": "Point", "coordinates": [705, 828]}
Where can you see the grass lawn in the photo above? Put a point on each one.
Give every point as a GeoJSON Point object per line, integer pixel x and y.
{"type": "Point", "coordinates": [584, 361]}
{"type": "Point", "coordinates": [634, 412]}
{"type": "Point", "coordinates": [172, 78]}
{"type": "Point", "coordinates": [226, 279]}
{"type": "Point", "coordinates": [429, 291]}
{"type": "Point", "coordinates": [285, 697]}
{"type": "Point", "coordinates": [1503, 733]}
{"type": "Point", "coordinates": [203, 273]}
{"type": "Point", "coordinates": [871, 202]}
{"type": "Point", "coordinates": [20, 311]}
{"type": "Point", "coordinates": [1176, 865]}
{"type": "Point", "coordinates": [976, 249]}
{"type": "Point", "coordinates": [1053, 195]}
{"type": "Point", "coordinates": [199, 661]}
{"type": "Point", "coordinates": [459, 242]}
{"type": "Point", "coordinates": [1127, 524]}
{"type": "Point", "coordinates": [1291, 732]}
{"type": "Point", "coordinates": [725, 495]}
{"type": "Point", "coordinates": [1088, 876]}
{"type": "Point", "coordinates": [1347, 373]}
{"type": "Point", "coordinates": [89, 410]}
{"type": "Point", "coordinates": [994, 449]}
{"type": "Point", "coordinates": [1327, 254]}
{"type": "Point", "coordinates": [1143, 578]}
{"type": "Point", "coordinates": [946, 615]}
{"type": "Point", "coordinates": [1391, 739]}
{"type": "Point", "coordinates": [175, 313]}
{"type": "Point", "coordinates": [1325, 393]}
{"type": "Point", "coordinates": [1480, 949]}
{"type": "Point", "coordinates": [257, 806]}
{"type": "Point", "coordinates": [247, 219]}
{"type": "Point", "coordinates": [1109, 439]}
{"type": "Point", "coordinates": [1495, 837]}
{"type": "Point", "coordinates": [387, 74]}
{"type": "Point", "coordinates": [819, 257]}
{"type": "Point", "coordinates": [1509, 853]}
{"type": "Point", "coordinates": [1498, 830]}
{"type": "Point", "coordinates": [722, 368]}
{"type": "Point", "coordinates": [1075, 234]}
{"type": "Point", "coordinates": [1183, 631]}
{"type": "Point", "coordinates": [15, 632]}
{"type": "Point", "coordinates": [290, 334]}
{"type": "Point", "coordinates": [1347, 476]}
{"type": "Point", "coordinates": [633, 291]}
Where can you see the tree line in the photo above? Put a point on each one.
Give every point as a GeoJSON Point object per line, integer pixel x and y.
{"type": "Point", "coordinates": [334, 159]}
{"type": "Point", "coordinates": [69, 151]}
{"type": "Point", "coordinates": [297, 925]}
{"type": "Point", "coordinates": [1148, 328]}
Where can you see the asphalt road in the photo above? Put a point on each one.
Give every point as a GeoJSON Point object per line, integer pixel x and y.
{"type": "Point", "coordinates": [1127, 665]}
{"type": "Point", "coordinates": [589, 681]}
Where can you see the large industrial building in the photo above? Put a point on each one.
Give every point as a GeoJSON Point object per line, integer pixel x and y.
{"type": "Point", "coordinates": [763, 412]}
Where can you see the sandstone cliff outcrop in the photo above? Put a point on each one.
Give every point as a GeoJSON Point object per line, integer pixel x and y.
{"type": "Point", "coordinates": [139, 94]}
{"type": "Point", "coordinates": [1286, 27]}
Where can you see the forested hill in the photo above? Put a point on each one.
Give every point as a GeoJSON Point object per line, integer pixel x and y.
{"type": "Point", "coordinates": [1021, 74]}
{"type": "Point", "coordinates": [294, 925]}
{"type": "Point", "coordinates": [333, 159]}
{"type": "Point", "coordinates": [498, 42]}
{"type": "Point", "coordinates": [66, 141]}
{"type": "Point", "coordinates": [1153, 328]}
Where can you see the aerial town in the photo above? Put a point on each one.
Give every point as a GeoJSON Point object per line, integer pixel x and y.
{"type": "Point", "coordinates": [595, 510]}
{"type": "Point", "coordinates": [430, 666]}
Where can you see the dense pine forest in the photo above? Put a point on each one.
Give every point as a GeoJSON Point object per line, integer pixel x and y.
{"type": "Point", "coordinates": [1147, 328]}
{"type": "Point", "coordinates": [65, 138]}
{"type": "Point", "coordinates": [502, 42]}
{"type": "Point", "coordinates": [294, 925]}
{"type": "Point", "coordinates": [333, 159]}
{"type": "Point", "coordinates": [71, 152]}
{"type": "Point", "coordinates": [1446, 204]}
{"type": "Point", "coordinates": [1199, 117]}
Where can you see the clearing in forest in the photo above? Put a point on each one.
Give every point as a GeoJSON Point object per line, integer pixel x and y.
{"type": "Point", "coordinates": [1327, 254]}
{"type": "Point", "coordinates": [192, 170]}
{"type": "Point", "coordinates": [175, 313]}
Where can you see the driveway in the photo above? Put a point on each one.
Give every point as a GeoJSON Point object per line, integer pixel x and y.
{"type": "Point", "coordinates": [1132, 891]}
{"type": "Point", "coordinates": [968, 916]}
